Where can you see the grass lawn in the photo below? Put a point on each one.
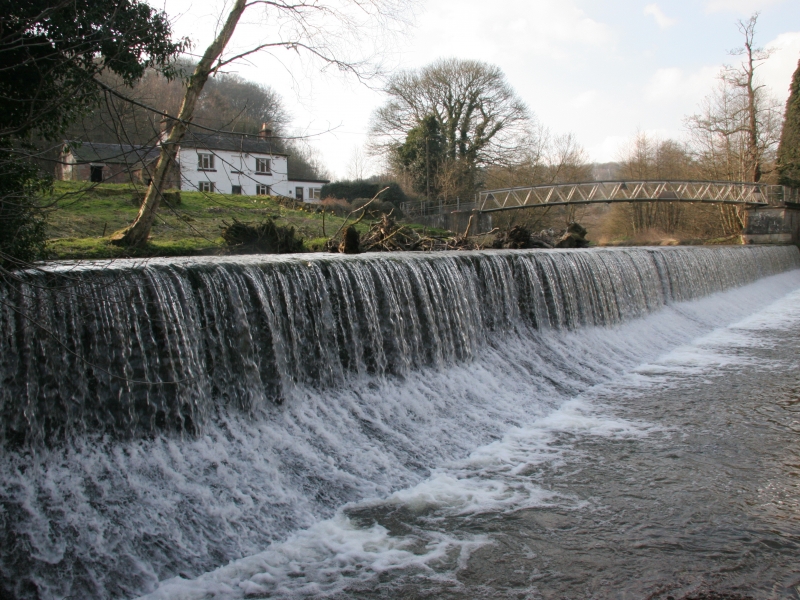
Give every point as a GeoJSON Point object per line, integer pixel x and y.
{"type": "Point", "coordinates": [85, 215]}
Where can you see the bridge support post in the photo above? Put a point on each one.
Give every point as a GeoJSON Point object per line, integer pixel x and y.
{"type": "Point", "coordinates": [772, 224]}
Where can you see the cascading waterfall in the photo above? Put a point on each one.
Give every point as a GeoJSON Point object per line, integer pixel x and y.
{"type": "Point", "coordinates": [162, 418]}
{"type": "Point", "coordinates": [130, 347]}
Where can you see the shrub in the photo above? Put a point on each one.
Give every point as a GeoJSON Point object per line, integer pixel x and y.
{"type": "Point", "coordinates": [340, 208]}
{"type": "Point", "coordinates": [266, 237]}
{"type": "Point", "coordinates": [377, 208]}
{"type": "Point", "coordinates": [352, 190]}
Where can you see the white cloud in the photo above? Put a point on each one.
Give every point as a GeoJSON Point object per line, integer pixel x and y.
{"type": "Point", "coordinates": [663, 20]}
{"type": "Point", "coordinates": [554, 29]}
{"type": "Point", "coordinates": [585, 99]}
{"type": "Point", "coordinates": [740, 6]}
{"type": "Point", "coordinates": [673, 85]}
{"type": "Point", "coordinates": [777, 72]}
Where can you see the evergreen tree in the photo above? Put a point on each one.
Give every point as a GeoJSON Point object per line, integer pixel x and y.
{"type": "Point", "coordinates": [51, 55]}
{"type": "Point", "coordinates": [789, 149]}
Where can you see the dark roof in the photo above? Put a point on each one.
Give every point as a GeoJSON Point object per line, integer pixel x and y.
{"type": "Point", "coordinates": [124, 154]}
{"type": "Point", "coordinates": [294, 179]}
{"type": "Point", "coordinates": [230, 141]}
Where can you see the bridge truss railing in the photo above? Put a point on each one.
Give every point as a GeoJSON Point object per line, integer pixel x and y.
{"type": "Point", "coordinates": [718, 192]}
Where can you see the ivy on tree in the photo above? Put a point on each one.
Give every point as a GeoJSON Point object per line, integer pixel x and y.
{"type": "Point", "coordinates": [789, 149]}
{"type": "Point", "coordinates": [421, 155]}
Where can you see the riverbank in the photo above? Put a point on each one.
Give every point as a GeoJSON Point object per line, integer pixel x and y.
{"type": "Point", "coordinates": [82, 219]}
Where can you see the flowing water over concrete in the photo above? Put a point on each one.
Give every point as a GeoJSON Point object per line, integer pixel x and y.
{"type": "Point", "coordinates": [467, 425]}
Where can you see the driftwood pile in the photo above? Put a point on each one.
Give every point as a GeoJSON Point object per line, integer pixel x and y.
{"type": "Point", "coordinates": [386, 235]}
{"type": "Point", "coordinates": [519, 237]}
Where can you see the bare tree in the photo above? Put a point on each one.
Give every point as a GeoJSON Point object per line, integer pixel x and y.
{"type": "Point", "coordinates": [742, 78]}
{"type": "Point", "coordinates": [357, 166]}
{"type": "Point", "coordinates": [138, 233]}
{"type": "Point", "coordinates": [648, 158]}
{"type": "Point", "coordinates": [481, 119]}
{"type": "Point", "coordinates": [736, 132]}
{"type": "Point", "coordinates": [297, 25]}
{"type": "Point", "coordinates": [546, 159]}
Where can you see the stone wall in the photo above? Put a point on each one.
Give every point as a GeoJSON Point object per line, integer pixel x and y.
{"type": "Point", "coordinates": [772, 225]}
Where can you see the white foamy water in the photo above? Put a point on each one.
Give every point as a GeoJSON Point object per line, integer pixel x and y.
{"type": "Point", "coordinates": [464, 441]}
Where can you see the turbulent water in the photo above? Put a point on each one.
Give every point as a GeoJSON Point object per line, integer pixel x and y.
{"type": "Point", "coordinates": [339, 425]}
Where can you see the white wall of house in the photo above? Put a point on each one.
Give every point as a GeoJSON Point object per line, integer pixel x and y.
{"type": "Point", "coordinates": [308, 191]}
{"type": "Point", "coordinates": [229, 172]}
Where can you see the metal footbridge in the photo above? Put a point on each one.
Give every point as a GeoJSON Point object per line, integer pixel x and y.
{"type": "Point", "coordinates": [597, 192]}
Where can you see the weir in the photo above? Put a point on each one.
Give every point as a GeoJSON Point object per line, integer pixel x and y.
{"type": "Point", "coordinates": [266, 426]}
{"type": "Point", "coordinates": [133, 348]}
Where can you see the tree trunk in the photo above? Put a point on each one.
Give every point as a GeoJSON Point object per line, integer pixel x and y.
{"type": "Point", "coordinates": [138, 233]}
{"type": "Point", "coordinates": [752, 133]}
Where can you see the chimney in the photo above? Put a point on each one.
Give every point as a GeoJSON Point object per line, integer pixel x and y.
{"type": "Point", "coordinates": [265, 132]}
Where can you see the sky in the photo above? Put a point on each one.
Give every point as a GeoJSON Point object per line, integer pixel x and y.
{"type": "Point", "coordinates": [601, 69]}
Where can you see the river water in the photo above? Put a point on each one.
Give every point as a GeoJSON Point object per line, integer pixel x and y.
{"type": "Point", "coordinates": [648, 458]}
{"type": "Point", "coordinates": [677, 475]}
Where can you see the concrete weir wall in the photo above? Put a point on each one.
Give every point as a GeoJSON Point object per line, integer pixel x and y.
{"type": "Point", "coordinates": [773, 225]}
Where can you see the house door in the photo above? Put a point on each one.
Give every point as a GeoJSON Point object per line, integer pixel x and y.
{"type": "Point", "coordinates": [96, 174]}
{"type": "Point", "coordinates": [298, 193]}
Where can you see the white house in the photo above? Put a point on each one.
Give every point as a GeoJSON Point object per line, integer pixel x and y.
{"type": "Point", "coordinates": [307, 190]}
{"type": "Point", "coordinates": [240, 164]}
{"type": "Point", "coordinates": [232, 164]}
{"type": "Point", "coordinates": [226, 163]}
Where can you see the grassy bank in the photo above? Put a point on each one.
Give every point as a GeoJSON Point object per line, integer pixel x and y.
{"type": "Point", "coordinates": [83, 218]}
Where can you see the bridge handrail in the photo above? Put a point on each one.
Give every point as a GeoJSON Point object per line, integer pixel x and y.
{"type": "Point", "coordinates": [614, 190]}
{"type": "Point", "coordinates": [605, 181]}
{"type": "Point", "coordinates": [722, 192]}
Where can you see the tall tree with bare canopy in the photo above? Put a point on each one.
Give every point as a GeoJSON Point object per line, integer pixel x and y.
{"type": "Point", "coordinates": [789, 149]}
{"type": "Point", "coordinates": [479, 118]}
{"type": "Point", "coordinates": [736, 133]}
{"type": "Point", "coordinates": [139, 231]}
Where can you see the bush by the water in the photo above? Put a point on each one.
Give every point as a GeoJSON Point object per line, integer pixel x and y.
{"type": "Point", "coordinates": [266, 238]}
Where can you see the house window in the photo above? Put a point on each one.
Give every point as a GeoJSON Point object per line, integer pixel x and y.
{"type": "Point", "coordinates": [262, 190]}
{"type": "Point", "coordinates": [205, 162]}
{"type": "Point", "coordinates": [96, 173]}
{"type": "Point", "coordinates": [298, 193]}
{"type": "Point", "coordinates": [236, 190]}
{"type": "Point", "coordinates": [206, 186]}
{"type": "Point", "coordinates": [262, 165]}
{"type": "Point", "coordinates": [315, 193]}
